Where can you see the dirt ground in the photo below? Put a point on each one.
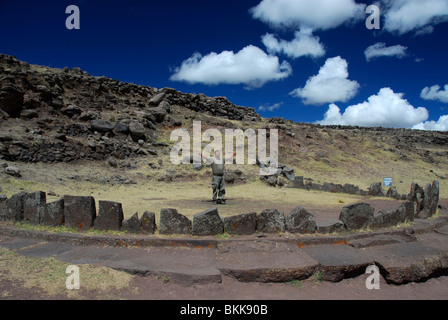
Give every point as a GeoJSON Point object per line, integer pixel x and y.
{"type": "Point", "coordinates": [152, 288]}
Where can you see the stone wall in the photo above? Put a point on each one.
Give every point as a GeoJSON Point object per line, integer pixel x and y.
{"type": "Point", "coordinates": [81, 213]}
{"type": "Point", "coordinates": [375, 189]}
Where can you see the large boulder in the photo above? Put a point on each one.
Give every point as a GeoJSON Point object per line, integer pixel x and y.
{"type": "Point", "coordinates": [298, 182]}
{"type": "Point", "coordinates": [13, 171]}
{"type": "Point", "coordinates": [32, 206]}
{"type": "Point", "coordinates": [158, 113]}
{"type": "Point", "coordinates": [79, 212]}
{"type": "Point", "coordinates": [393, 193]}
{"type": "Point", "coordinates": [357, 216]}
{"type": "Point", "coordinates": [271, 221]}
{"type": "Point", "coordinates": [243, 224]}
{"type": "Point", "coordinates": [405, 213]}
{"type": "Point", "coordinates": [157, 99]}
{"type": "Point", "coordinates": [300, 221]}
{"type": "Point", "coordinates": [12, 209]}
{"type": "Point", "coordinates": [288, 172]}
{"type": "Point", "coordinates": [417, 195]}
{"type": "Point", "coordinates": [165, 105]}
{"type": "Point", "coordinates": [172, 222]}
{"type": "Point", "coordinates": [52, 214]}
{"type": "Point", "coordinates": [148, 223]}
{"type": "Point", "coordinates": [11, 99]}
{"type": "Point", "coordinates": [133, 224]}
{"type": "Point", "coordinates": [376, 190]}
{"type": "Point", "coordinates": [137, 131]}
{"type": "Point", "coordinates": [430, 200]}
{"type": "Point", "coordinates": [207, 223]}
{"type": "Point", "coordinates": [110, 216]}
{"type": "Point", "coordinates": [426, 200]}
{"type": "Point", "coordinates": [102, 126]}
{"type": "Point", "coordinates": [121, 128]}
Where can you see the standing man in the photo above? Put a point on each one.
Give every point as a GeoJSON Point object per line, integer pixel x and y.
{"type": "Point", "coordinates": [218, 179]}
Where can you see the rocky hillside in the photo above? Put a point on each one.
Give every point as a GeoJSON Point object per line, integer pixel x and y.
{"type": "Point", "coordinates": [69, 115]}
{"type": "Point", "coordinates": [65, 115]}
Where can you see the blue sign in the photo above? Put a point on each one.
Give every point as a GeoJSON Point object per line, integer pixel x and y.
{"type": "Point", "coordinates": [388, 182]}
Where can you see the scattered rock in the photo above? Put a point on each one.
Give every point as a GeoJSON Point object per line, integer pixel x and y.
{"type": "Point", "coordinates": [137, 131]}
{"type": "Point", "coordinates": [101, 125]}
{"type": "Point", "coordinates": [13, 171]}
{"type": "Point", "coordinates": [157, 99]}
{"type": "Point", "coordinates": [158, 113]}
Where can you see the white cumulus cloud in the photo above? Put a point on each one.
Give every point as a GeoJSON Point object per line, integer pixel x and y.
{"type": "Point", "coordinates": [435, 93]}
{"type": "Point", "coordinates": [250, 66]}
{"type": "Point", "coordinates": [403, 16]}
{"type": "Point", "coordinates": [331, 84]}
{"type": "Point", "coordinates": [387, 109]}
{"type": "Point", "coordinates": [270, 107]}
{"type": "Point", "coordinates": [303, 44]}
{"type": "Point", "coordinates": [440, 125]}
{"type": "Point", "coordinates": [315, 14]}
{"type": "Point", "coordinates": [380, 50]}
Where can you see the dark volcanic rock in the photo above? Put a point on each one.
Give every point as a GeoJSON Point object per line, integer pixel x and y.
{"type": "Point", "coordinates": [172, 222]}
{"type": "Point", "coordinates": [148, 223]}
{"type": "Point", "coordinates": [330, 226]}
{"type": "Point", "coordinates": [137, 131]}
{"type": "Point", "coordinates": [11, 99]}
{"type": "Point", "coordinates": [110, 216]}
{"type": "Point", "coordinates": [271, 221]}
{"type": "Point", "coordinates": [32, 206]}
{"type": "Point", "coordinates": [157, 99]}
{"type": "Point", "coordinates": [52, 214]}
{"type": "Point", "coordinates": [207, 223]}
{"type": "Point", "coordinates": [101, 125]}
{"type": "Point", "coordinates": [376, 190]}
{"type": "Point", "coordinates": [405, 213]}
{"type": "Point", "coordinates": [133, 224]}
{"type": "Point", "coordinates": [12, 209]}
{"type": "Point", "coordinates": [357, 216]}
{"type": "Point", "coordinates": [243, 224]}
{"type": "Point", "coordinates": [79, 212]}
{"type": "Point", "coordinates": [158, 113]}
{"type": "Point", "coordinates": [300, 221]}
{"type": "Point", "coordinates": [393, 193]}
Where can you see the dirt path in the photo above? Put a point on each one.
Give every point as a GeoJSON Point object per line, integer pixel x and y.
{"type": "Point", "coordinates": [152, 288]}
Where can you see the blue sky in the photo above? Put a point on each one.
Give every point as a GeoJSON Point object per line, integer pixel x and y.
{"type": "Point", "coordinates": [299, 59]}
